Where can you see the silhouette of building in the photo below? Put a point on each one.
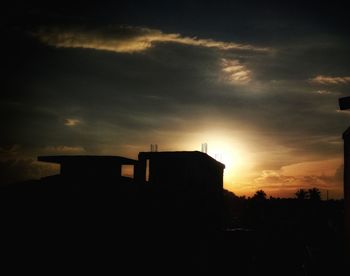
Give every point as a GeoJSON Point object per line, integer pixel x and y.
{"type": "Point", "coordinates": [187, 183]}
{"type": "Point", "coordinates": [182, 188]}
{"type": "Point", "coordinates": [164, 171]}
{"type": "Point", "coordinates": [86, 172]}
{"type": "Point", "coordinates": [190, 171]}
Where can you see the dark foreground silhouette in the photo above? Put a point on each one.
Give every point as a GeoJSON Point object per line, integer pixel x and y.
{"type": "Point", "coordinates": [173, 217]}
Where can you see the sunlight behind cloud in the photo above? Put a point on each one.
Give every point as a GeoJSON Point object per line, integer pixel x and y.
{"type": "Point", "coordinates": [233, 71]}
{"type": "Point", "coordinates": [71, 122]}
{"type": "Point", "coordinates": [324, 174]}
{"type": "Point", "coordinates": [327, 80]}
{"type": "Point", "coordinates": [127, 39]}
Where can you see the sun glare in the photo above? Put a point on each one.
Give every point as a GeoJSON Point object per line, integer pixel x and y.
{"type": "Point", "coordinates": [231, 152]}
{"type": "Point", "coordinates": [232, 155]}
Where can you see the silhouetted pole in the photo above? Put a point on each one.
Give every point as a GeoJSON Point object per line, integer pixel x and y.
{"type": "Point", "coordinates": [344, 103]}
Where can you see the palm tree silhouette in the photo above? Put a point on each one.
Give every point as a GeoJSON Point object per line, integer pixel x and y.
{"type": "Point", "coordinates": [259, 195]}
{"type": "Point", "coordinates": [301, 194]}
{"type": "Point", "coordinates": [314, 194]}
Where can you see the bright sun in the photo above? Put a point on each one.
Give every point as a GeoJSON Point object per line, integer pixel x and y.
{"type": "Point", "coordinates": [229, 151]}
{"type": "Point", "coordinates": [232, 155]}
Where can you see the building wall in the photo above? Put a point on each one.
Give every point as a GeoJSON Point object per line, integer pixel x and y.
{"type": "Point", "coordinates": [187, 184]}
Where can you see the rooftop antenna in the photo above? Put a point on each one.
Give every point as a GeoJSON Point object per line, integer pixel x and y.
{"type": "Point", "coordinates": [154, 147]}
{"type": "Point", "coordinates": [204, 147]}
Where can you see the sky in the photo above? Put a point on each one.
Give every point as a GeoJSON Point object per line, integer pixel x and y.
{"type": "Point", "coordinates": [257, 81]}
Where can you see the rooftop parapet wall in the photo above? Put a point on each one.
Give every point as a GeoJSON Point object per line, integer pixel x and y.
{"type": "Point", "coordinates": [189, 155]}
{"type": "Point", "coordinates": [60, 159]}
{"type": "Point", "coordinates": [89, 166]}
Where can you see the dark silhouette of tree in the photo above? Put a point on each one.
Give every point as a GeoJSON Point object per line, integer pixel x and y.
{"type": "Point", "coordinates": [301, 194]}
{"type": "Point", "coordinates": [314, 194]}
{"type": "Point", "coordinates": [259, 195]}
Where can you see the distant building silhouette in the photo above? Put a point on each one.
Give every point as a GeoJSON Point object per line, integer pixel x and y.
{"type": "Point", "coordinates": [88, 172]}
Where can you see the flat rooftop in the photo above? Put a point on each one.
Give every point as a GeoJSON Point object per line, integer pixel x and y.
{"type": "Point", "coordinates": [180, 154]}
{"type": "Point", "coordinates": [60, 159]}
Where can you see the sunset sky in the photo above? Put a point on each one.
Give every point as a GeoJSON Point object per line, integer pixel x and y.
{"type": "Point", "coordinates": [258, 82]}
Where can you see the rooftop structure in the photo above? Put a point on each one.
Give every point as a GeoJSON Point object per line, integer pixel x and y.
{"type": "Point", "coordinates": [89, 172]}
{"type": "Point", "coordinates": [188, 184]}
{"type": "Point", "coordinates": [89, 166]}
{"type": "Point", "coordinates": [179, 169]}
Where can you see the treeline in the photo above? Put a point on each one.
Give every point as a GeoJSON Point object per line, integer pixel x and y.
{"type": "Point", "coordinates": [313, 194]}
{"type": "Point", "coordinates": [259, 209]}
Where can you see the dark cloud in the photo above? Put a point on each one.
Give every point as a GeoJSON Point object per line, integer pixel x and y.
{"type": "Point", "coordinates": [14, 170]}
{"type": "Point", "coordinates": [15, 167]}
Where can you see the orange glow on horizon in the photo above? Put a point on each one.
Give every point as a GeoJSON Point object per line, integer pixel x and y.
{"type": "Point", "coordinates": [250, 167]}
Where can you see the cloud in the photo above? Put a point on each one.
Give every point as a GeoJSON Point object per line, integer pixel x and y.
{"type": "Point", "coordinates": [272, 177]}
{"type": "Point", "coordinates": [9, 151]}
{"type": "Point", "coordinates": [328, 80]}
{"type": "Point", "coordinates": [325, 92]}
{"type": "Point", "coordinates": [19, 169]}
{"type": "Point", "coordinates": [71, 122]}
{"type": "Point", "coordinates": [323, 174]}
{"type": "Point", "coordinates": [63, 150]}
{"type": "Point", "coordinates": [16, 165]}
{"type": "Point", "coordinates": [233, 71]}
{"type": "Point", "coordinates": [127, 39]}
{"type": "Point", "coordinates": [318, 168]}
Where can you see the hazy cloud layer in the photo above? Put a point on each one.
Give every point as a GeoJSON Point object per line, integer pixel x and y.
{"type": "Point", "coordinates": [16, 165]}
{"type": "Point", "coordinates": [235, 72]}
{"type": "Point", "coordinates": [63, 150]}
{"type": "Point", "coordinates": [330, 80]}
{"type": "Point", "coordinates": [324, 174]}
{"type": "Point", "coordinates": [71, 122]}
{"type": "Point", "coordinates": [127, 39]}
